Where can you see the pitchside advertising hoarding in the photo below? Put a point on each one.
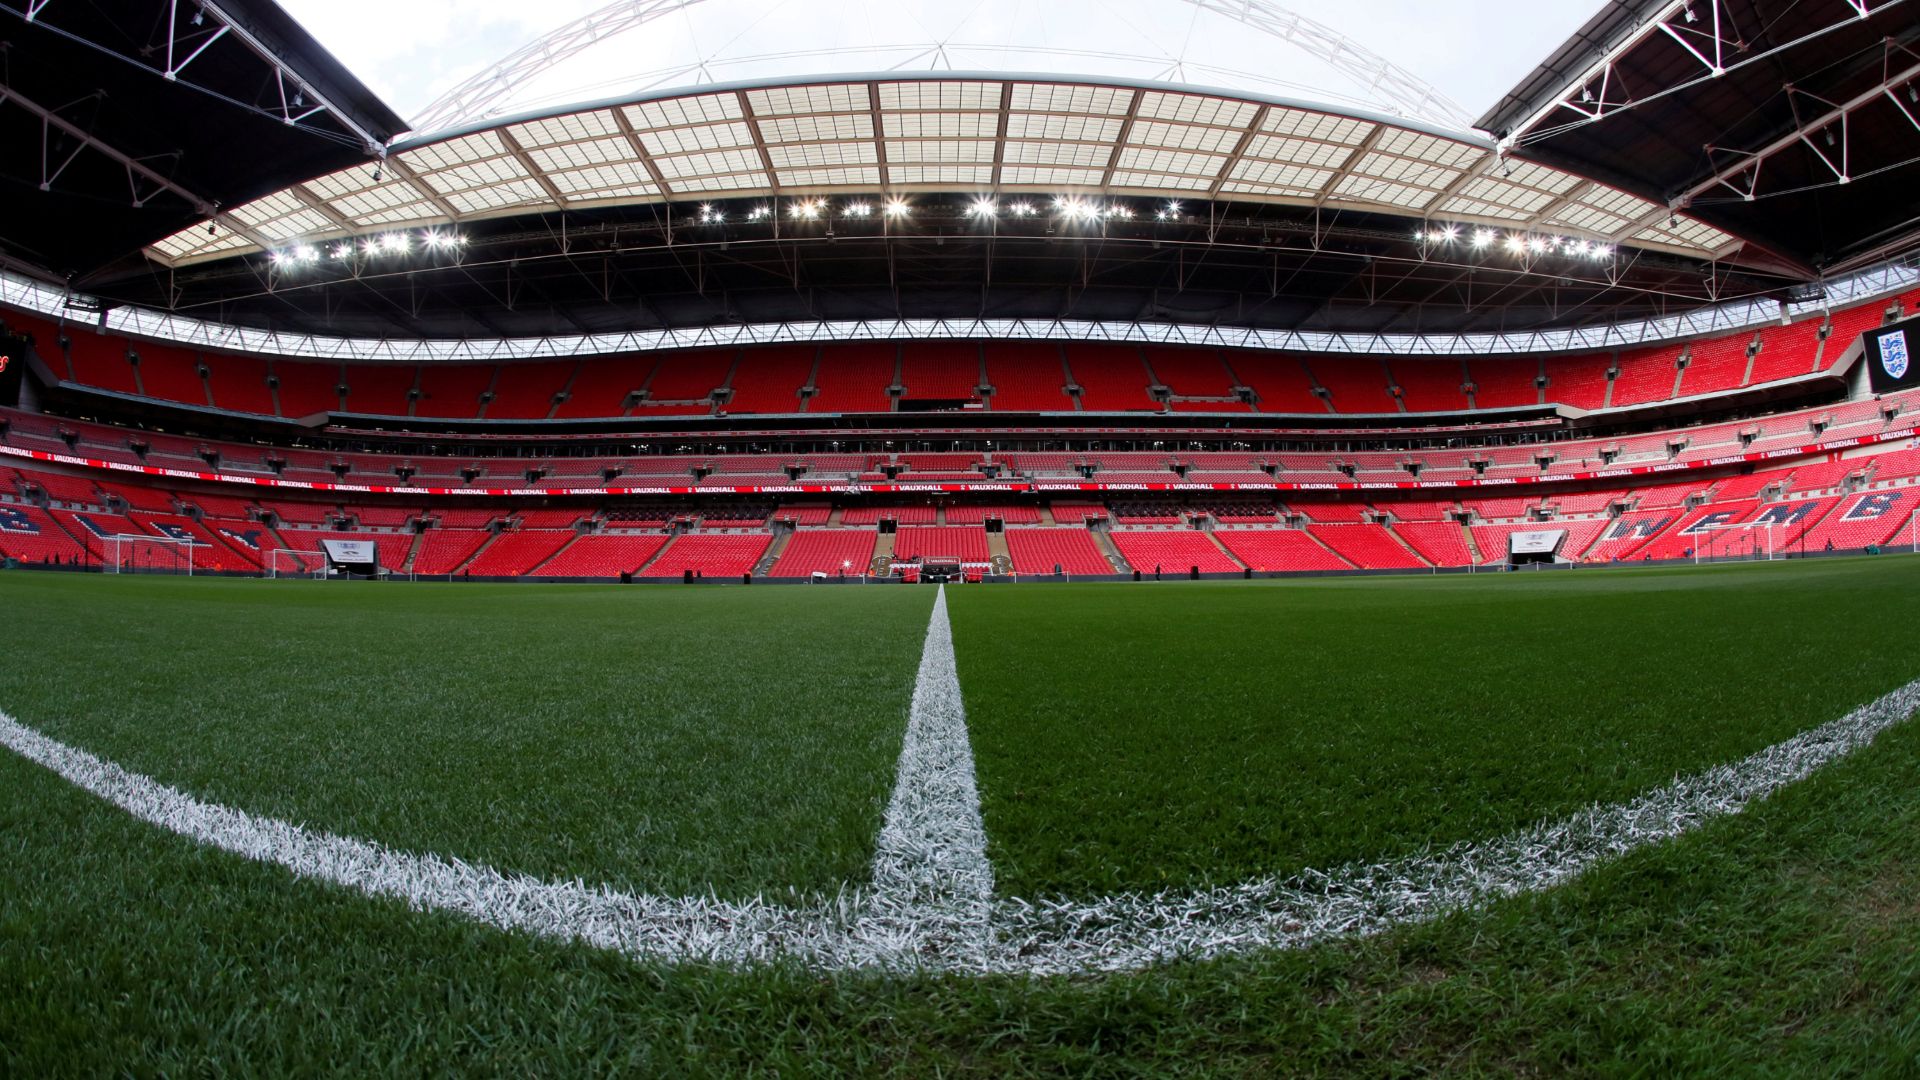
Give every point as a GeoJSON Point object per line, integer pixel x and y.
{"type": "Point", "coordinates": [1890, 359]}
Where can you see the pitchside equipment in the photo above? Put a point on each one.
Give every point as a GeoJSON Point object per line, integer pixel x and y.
{"type": "Point", "coordinates": [1740, 540]}
{"type": "Point", "coordinates": [133, 553]}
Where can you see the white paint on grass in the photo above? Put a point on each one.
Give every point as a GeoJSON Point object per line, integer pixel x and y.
{"type": "Point", "coordinates": [931, 906]}
{"type": "Point", "coordinates": [932, 884]}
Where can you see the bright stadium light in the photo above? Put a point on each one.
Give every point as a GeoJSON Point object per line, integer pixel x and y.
{"type": "Point", "coordinates": [759, 213]}
{"type": "Point", "coordinates": [807, 209]}
{"type": "Point", "coordinates": [859, 209]}
{"type": "Point", "coordinates": [1021, 209]}
{"type": "Point", "coordinates": [305, 253]}
{"type": "Point", "coordinates": [343, 250]}
{"type": "Point", "coordinates": [984, 208]}
{"type": "Point", "coordinates": [1449, 234]}
{"type": "Point", "coordinates": [897, 208]}
{"type": "Point", "coordinates": [1482, 238]}
{"type": "Point", "coordinates": [1121, 212]}
{"type": "Point", "coordinates": [394, 243]}
{"type": "Point", "coordinates": [1538, 245]}
{"type": "Point", "coordinates": [1516, 243]}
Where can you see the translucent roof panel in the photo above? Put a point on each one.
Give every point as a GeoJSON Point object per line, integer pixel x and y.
{"type": "Point", "coordinates": [967, 136]}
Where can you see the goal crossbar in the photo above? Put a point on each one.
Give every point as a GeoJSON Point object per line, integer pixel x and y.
{"type": "Point", "coordinates": [124, 551]}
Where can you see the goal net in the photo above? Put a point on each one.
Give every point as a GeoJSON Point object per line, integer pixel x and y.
{"type": "Point", "coordinates": [1752, 540]}
{"type": "Point", "coordinates": [132, 553]}
{"type": "Point", "coordinates": [286, 562]}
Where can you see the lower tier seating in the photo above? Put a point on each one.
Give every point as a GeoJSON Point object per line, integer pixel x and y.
{"type": "Point", "coordinates": [1280, 550]}
{"type": "Point", "coordinates": [1173, 552]}
{"type": "Point", "coordinates": [1038, 551]}
{"type": "Point", "coordinates": [713, 555]}
{"type": "Point", "coordinates": [826, 551]}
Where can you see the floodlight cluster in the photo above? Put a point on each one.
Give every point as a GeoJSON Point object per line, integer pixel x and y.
{"type": "Point", "coordinates": [1071, 208]}
{"type": "Point", "coordinates": [382, 245]}
{"type": "Point", "coordinates": [1514, 243]}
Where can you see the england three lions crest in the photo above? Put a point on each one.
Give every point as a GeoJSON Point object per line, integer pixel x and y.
{"type": "Point", "coordinates": [1893, 354]}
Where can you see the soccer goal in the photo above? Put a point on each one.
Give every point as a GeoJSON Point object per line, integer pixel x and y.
{"type": "Point", "coordinates": [286, 562]}
{"type": "Point", "coordinates": [1751, 540]}
{"type": "Point", "coordinates": [132, 553]}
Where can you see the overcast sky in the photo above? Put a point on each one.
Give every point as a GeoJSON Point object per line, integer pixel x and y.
{"type": "Point", "coordinates": [412, 51]}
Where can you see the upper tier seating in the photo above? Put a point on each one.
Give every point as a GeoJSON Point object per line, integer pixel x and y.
{"type": "Point", "coordinates": [1038, 551]}
{"type": "Point", "coordinates": [1357, 384]}
{"type": "Point", "coordinates": [941, 370]}
{"type": "Point", "coordinates": [1430, 385]}
{"type": "Point", "coordinates": [1112, 378]}
{"type": "Point", "coordinates": [1504, 382]}
{"type": "Point", "coordinates": [854, 378]}
{"type": "Point", "coordinates": [827, 551]}
{"type": "Point", "coordinates": [769, 380]}
{"type": "Point", "coordinates": [1026, 377]}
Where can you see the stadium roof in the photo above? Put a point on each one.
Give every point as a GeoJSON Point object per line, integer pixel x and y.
{"type": "Point", "coordinates": [891, 135]}
{"type": "Point", "coordinates": [1027, 195]}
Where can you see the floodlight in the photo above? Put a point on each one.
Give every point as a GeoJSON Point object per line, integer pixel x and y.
{"type": "Point", "coordinates": [897, 208]}
{"type": "Point", "coordinates": [983, 207]}
{"type": "Point", "coordinates": [859, 209]}
{"type": "Point", "coordinates": [1482, 237]}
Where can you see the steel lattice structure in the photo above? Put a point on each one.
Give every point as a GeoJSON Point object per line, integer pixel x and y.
{"type": "Point", "coordinates": [1393, 88]}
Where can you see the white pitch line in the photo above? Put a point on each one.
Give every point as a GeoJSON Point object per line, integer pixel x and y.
{"type": "Point", "coordinates": [1117, 933]}
{"type": "Point", "coordinates": [932, 883]}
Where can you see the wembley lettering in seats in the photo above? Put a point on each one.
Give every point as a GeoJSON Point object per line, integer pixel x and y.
{"type": "Point", "coordinates": [1718, 517]}
{"type": "Point", "coordinates": [14, 521]}
{"type": "Point", "coordinates": [1787, 513]}
{"type": "Point", "coordinates": [1640, 530]}
{"type": "Point", "coordinates": [1875, 505]}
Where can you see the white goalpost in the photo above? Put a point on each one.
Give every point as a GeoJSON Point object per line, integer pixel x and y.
{"type": "Point", "coordinates": [132, 553]}
{"type": "Point", "coordinates": [287, 562]}
{"type": "Point", "coordinates": [1760, 544]}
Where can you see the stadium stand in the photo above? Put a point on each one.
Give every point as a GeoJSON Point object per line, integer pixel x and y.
{"type": "Point", "coordinates": [710, 555]}
{"type": "Point", "coordinates": [604, 555]}
{"type": "Point", "coordinates": [854, 378]}
{"type": "Point", "coordinates": [1355, 384]}
{"type": "Point", "coordinates": [940, 370]}
{"type": "Point", "coordinates": [1038, 551]}
{"type": "Point", "coordinates": [306, 389]}
{"type": "Point", "coordinates": [514, 554]}
{"type": "Point", "coordinates": [1504, 383]}
{"type": "Point", "coordinates": [445, 550]}
{"type": "Point", "coordinates": [1430, 385]}
{"type": "Point", "coordinates": [1173, 552]}
{"type": "Point", "coordinates": [769, 380]}
{"type": "Point", "coordinates": [826, 551]}
{"type": "Point", "coordinates": [1279, 550]}
{"type": "Point", "coordinates": [601, 387]}
{"type": "Point", "coordinates": [1369, 547]}
{"type": "Point", "coordinates": [964, 542]}
{"type": "Point", "coordinates": [1580, 381]}
{"type": "Point", "coordinates": [1112, 378]}
{"type": "Point", "coordinates": [1026, 377]}
{"type": "Point", "coordinates": [29, 535]}
{"type": "Point", "coordinates": [1442, 543]}
{"type": "Point", "coordinates": [527, 391]}
{"type": "Point", "coordinates": [451, 391]}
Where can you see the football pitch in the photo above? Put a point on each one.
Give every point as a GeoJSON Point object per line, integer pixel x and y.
{"type": "Point", "coordinates": [744, 747]}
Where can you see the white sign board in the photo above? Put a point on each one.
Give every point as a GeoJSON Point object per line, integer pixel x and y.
{"type": "Point", "coordinates": [1535, 542]}
{"type": "Point", "coordinates": [351, 551]}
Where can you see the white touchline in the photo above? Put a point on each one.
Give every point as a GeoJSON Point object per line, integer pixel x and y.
{"type": "Point", "coordinates": [930, 906]}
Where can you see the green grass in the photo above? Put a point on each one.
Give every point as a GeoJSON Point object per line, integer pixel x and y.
{"type": "Point", "coordinates": [671, 740]}
{"type": "Point", "coordinates": [1778, 942]}
{"type": "Point", "coordinates": [1168, 735]}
